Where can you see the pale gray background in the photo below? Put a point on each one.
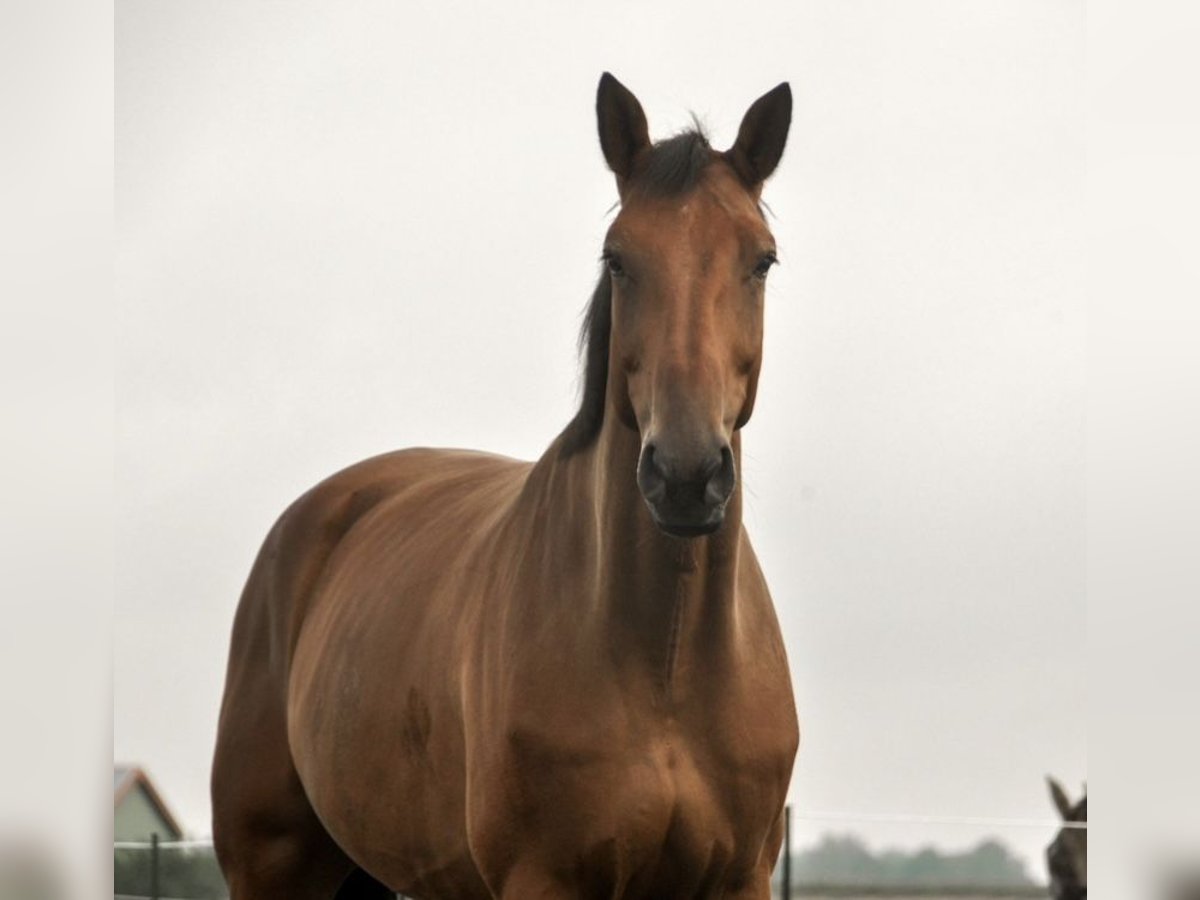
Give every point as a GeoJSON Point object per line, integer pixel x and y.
{"type": "Point", "coordinates": [344, 230]}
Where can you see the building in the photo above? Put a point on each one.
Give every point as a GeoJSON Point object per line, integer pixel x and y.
{"type": "Point", "coordinates": [138, 810]}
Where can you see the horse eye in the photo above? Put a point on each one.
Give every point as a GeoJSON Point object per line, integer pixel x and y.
{"type": "Point", "coordinates": [764, 265]}
{"type": "Point", "coordinates": [614, 263]}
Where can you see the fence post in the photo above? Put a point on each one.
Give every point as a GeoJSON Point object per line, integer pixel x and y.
{"type": "Point", "coordinates": [787, 852]}
{"type": "Point", "coordinates": [154, 866]}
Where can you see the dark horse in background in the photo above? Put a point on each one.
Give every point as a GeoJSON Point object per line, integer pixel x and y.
{"type": "Point", "coordinates": [458, 675]}
{"type": "Point", "coordinates": [1066, 857]}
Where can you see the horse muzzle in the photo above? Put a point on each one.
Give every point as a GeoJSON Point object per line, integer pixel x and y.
{"type": "Point", "coordinates": [686, 497]}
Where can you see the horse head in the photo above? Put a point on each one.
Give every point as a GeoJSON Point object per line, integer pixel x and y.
{"type": "Point", "coordinates": [1066, 857]}
{"type": "Point", "coordinates": [686, 259]}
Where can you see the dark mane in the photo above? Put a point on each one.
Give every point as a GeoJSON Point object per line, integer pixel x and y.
{"type": "Point", "coordinates": [673, 166]}
{"type": "Point", "coordinates": [593, 341]}
{"type": "Point", "coordinates": [669, 168]}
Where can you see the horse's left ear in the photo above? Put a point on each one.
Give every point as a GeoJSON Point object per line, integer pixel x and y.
{"type": "Point", "coordinates": [761, 137]}
{"type": "Point", "coordinates": [1059, 796]}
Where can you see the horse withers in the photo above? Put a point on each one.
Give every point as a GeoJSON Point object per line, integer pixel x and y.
{"type": "Point", "coordinates": [458, 675]}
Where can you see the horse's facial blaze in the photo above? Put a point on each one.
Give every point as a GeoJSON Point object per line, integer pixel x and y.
{"type": "Point", "coordinates": [688, 277]}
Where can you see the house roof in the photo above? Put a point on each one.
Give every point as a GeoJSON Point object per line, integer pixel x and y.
{"type": "Point", "coordinates": [126, 778]}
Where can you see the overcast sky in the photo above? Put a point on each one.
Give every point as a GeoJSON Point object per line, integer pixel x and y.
{"type": "Point", "coordinates": [347, 229]}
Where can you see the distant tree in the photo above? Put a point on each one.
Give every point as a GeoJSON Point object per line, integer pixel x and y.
{"type": "Point", "coordinates": [837, 859]}
{"type": "Point", "coordinates": [846, 860]}
{"type": "Point", "coordinates": [991, 863]}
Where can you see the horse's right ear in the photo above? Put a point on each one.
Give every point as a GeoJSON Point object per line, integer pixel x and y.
{"type": "Point", "coordinates": [623, 130]}
{"type": "Point", "coordinates": [762, 136]}
{"type": "Point", "coordinates": [1059, 796]}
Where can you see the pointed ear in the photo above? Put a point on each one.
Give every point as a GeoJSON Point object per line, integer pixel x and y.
{"type": "Point", "coordinates": [1059, 796]}
{"type": "Point", "coordinates": [623, 131]}
{"type": "Point", "coordinates": [761, 137]}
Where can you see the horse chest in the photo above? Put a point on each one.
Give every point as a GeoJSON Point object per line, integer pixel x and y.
{"type": "Point", "coordinates": [633, 816]}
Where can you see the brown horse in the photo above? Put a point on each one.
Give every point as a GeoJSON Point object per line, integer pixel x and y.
{"type": "Point", "coordinates": [475, 677]}
{"type": "Point", "coordinates": [1066, 857]}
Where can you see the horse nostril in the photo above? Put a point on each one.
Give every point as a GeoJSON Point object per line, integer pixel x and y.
{"type": "Point", "coordinates": [649, 461]}
{"type": "Point", "coordinates": [651, 478]}
{"type": "Point", "coordinates": [721, 478]}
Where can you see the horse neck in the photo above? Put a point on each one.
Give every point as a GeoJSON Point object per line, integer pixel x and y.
{"type": "Point", "coordinates": [656, 600]}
